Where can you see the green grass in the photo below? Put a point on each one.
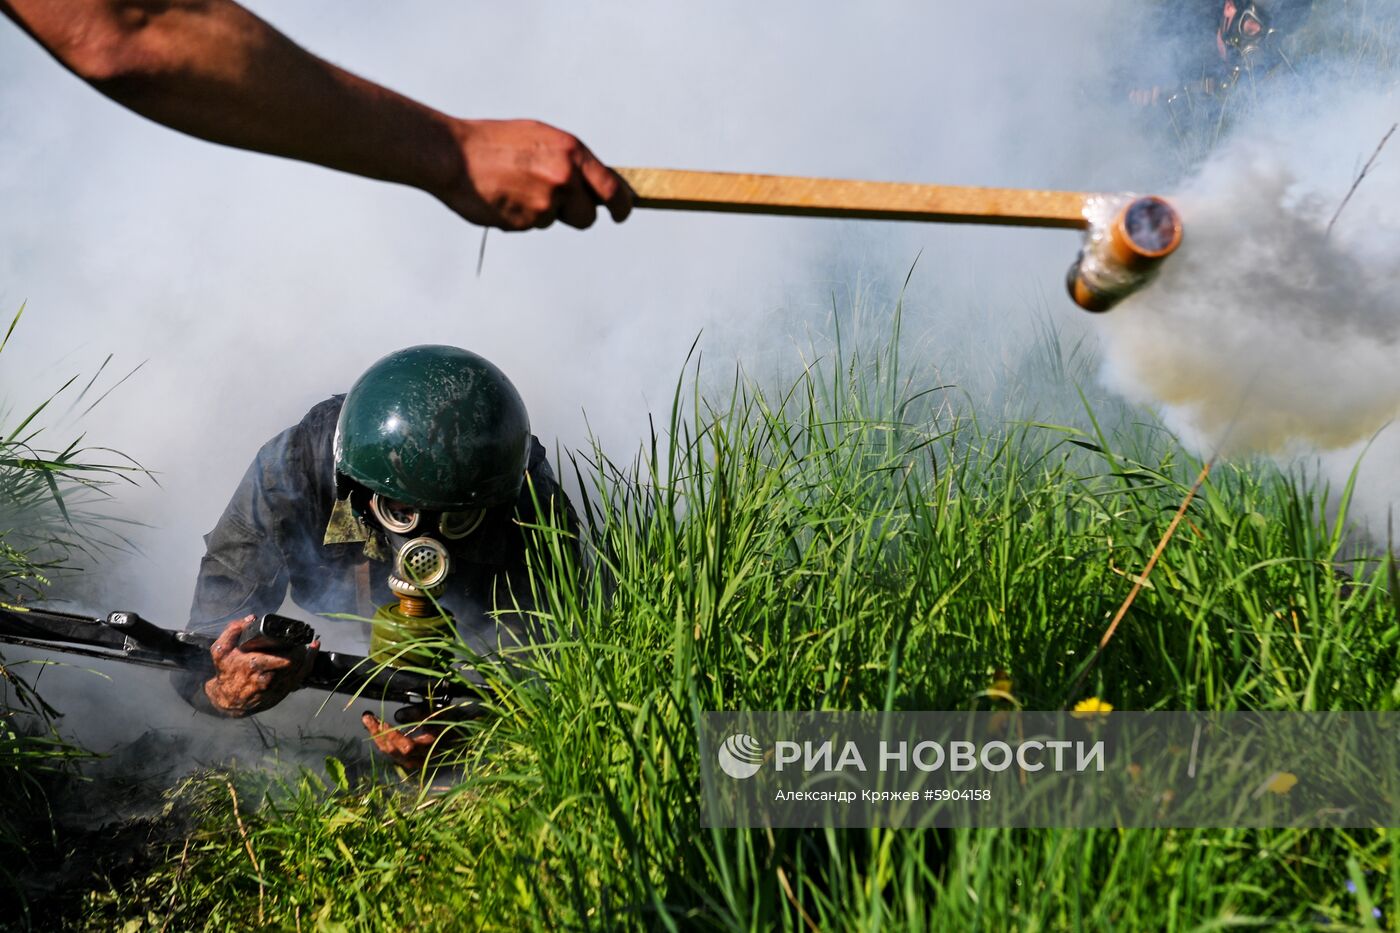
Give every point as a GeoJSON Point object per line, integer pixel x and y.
{"type": "Point", "coordinates": [51, 517]}
{"type": "Point", "coordinates": [854, 539]}
{"type": "Point", "coordinates": [52, 499]}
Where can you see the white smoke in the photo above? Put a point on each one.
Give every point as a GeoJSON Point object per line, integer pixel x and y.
{"type": "Point", "coordinates": [1264, 332]}
{"type": "Point", "coordinates": [257, 287]}
{"type": "Point", "coordinates": [1267, 333]}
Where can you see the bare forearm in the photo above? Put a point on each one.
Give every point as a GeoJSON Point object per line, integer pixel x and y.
{"type": "Point", "coordinates": [212, 69]}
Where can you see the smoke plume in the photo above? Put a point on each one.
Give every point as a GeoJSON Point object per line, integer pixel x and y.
{"type": "Point", "coordinates": [1274, 330]}
{"type": "Point", "coordinates": [1265, 333]}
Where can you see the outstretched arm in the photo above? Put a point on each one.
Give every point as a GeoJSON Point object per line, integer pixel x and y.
{"type": "Point", "coordinates": [214, 70]}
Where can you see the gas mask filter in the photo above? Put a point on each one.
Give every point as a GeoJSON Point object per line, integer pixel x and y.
{"type": "Point", "coordinates": [417, 578]}
{"type": "Point", "coordinates": [420, 568]}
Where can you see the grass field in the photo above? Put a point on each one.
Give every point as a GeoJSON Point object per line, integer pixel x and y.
{"type": "Point", "coordinates": [855, 537]}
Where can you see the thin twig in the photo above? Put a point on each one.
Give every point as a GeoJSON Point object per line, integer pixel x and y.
{"type": "Point", "coordinates": [481, 252]}
{"type": "Point", "coordinates": [175, 894]}
{"type": "Point", "coordinates": [248, 845]}
{"type": "Point", "coordinates": [787, 889]}
{"type": "Point", "coordinates": [1364, 169]}
{"type": "Point", "coordinates": [1142, 577]}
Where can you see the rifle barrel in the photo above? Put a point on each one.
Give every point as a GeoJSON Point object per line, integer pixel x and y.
{"type": "Point", "coordinates": [130, 639]}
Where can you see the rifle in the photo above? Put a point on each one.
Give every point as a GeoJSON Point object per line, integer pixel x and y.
{"type": "Point", "coordinates": [127, 637]}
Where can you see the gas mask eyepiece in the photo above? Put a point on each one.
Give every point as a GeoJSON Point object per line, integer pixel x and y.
{"type": "Point", "coordinates": [394, 516]}
{"type": "Point", "coordinates": [400, 518]}
{"type": "Point", "coordinates": [457, 525]}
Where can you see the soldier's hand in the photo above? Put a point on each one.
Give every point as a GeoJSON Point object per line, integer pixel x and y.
{"type": "Point", "coordinates": [519, 174]}
{"type": "Point", "coordinates": [409, 752]}
{"type": "Point", "coordinates": [247, 682]}
{"type": "Point", "coordinates": [1145, 96]}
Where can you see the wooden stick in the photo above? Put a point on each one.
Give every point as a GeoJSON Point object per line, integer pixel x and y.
{"type": "Point", "coordinates": [248, 846]}
{"type": "Point", "coordinates": [1142, 578]}
{"type": "Point", "coordinates": [1361, 177]}
{"type": "Point", "coordinates": [731, 192]}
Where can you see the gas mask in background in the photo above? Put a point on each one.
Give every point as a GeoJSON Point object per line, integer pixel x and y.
{"type": "Point", "coordinates": [1245, 32]}
{"type": "Point", "coordinates": [1254, 33]}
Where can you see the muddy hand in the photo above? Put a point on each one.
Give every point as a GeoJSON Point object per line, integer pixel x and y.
{"type": "Point", "coordinates": [409, 752]}
{"type": "Point", "coordinates": [247, 682]}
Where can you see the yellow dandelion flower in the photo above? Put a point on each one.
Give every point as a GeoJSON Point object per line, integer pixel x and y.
{"type": "Point", "coordinates": [1091, 708]}
{"type": "Point", "coordinates": [1001, 686]}
{"type": "Point", "coordinates": [1281, 782]}
{"type": "Point", "coordinates": [1001, 681]}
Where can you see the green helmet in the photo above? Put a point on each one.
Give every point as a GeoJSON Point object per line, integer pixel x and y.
{"type": "Point", "coordinates": [435, 427]}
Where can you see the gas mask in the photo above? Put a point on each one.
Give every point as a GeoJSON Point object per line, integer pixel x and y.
{"type": "Point", "coordinates": [404, 632]}
{"type": "Point", "coordinates": [1254, 30]}
{"type": "Point", "coordinates": [1245, 32]}
{"type": "Point", "coordinates": [421, 561]}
